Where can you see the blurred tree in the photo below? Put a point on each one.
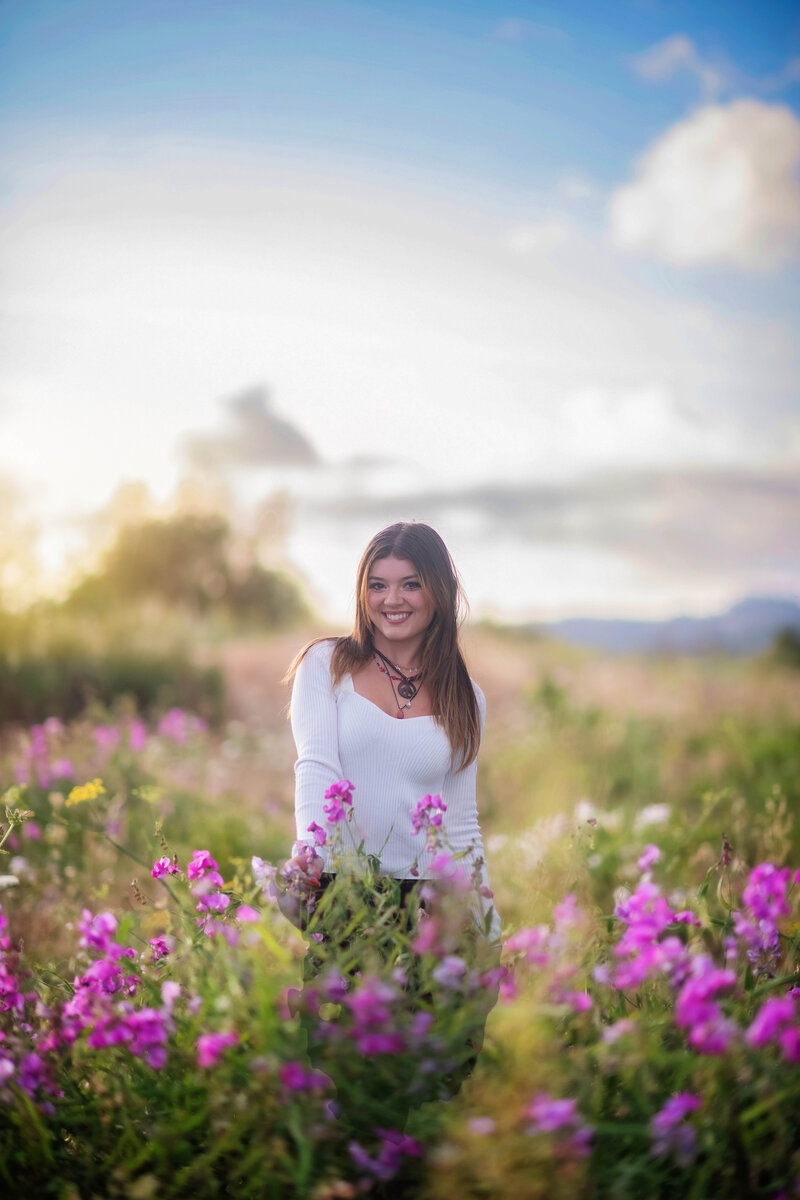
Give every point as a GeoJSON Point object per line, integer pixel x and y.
{"type": "Point", "coordinates": [188, 561]}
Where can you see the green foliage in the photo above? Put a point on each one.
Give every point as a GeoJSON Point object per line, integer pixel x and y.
{"type": "Point", "coordinates": [570, 789]}
{"type": "Point", "coordinates": [49, 665]}
{"type": "Point", "coordinates": [785, 649]}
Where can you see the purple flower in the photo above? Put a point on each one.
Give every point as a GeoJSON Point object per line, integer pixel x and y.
{"type": "Point", "coordinates": [548, 1115]}
{"type": "Point", "coordinates": [772, 1016]}
{"type": "Point", "coordinates": [670, 1133]}
{"type": "Point", "coordinates": [394, 1147]}
{"type": "Point", "coordinates": [211, 1047]}
{"type": "Point", "coordinates": [450, 972]}
{"type": "Point", "coordinates": [379, 1042]}
{"type": "Point", "coordinates": [370, 1002]}
{"type": "Point", "coordinates": [295, 1077]}
{"type": "Point", "coordinates": [560, 1117]}
{"type": "Point", "coordinates": [765, 894]}
{"type": "Point", "coordinates": [696, 1007]}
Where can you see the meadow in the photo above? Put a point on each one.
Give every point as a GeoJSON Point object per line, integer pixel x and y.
{"type": "Point", "coordinates": [166, 1031]}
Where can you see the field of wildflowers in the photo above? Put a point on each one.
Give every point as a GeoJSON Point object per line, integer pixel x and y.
{"type": "Point", "coordinates": [166, 1031]}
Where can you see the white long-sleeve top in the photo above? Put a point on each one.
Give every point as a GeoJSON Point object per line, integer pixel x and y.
{"type": "Point", "coordinates": [392, 764]}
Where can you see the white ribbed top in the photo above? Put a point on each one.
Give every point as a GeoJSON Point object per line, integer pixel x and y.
{"type": "Point", "coordinates": [392, 763]}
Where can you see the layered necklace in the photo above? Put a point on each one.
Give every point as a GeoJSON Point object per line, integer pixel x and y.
{"type": "Point", "coordinates": [408, 682]}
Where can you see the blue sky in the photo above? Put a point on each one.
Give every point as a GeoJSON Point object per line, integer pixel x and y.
{"type": "Point", "coordinates": [518, 93]}
{"type": "Point", "coordinates": [487, 250]}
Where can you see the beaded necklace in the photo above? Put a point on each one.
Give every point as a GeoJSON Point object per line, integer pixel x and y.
{"type": "Point", "coordinates": [408, 684]}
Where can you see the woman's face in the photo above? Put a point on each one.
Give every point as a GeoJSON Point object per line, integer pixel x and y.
{"type": "Point", "coordinates": [396, 601]}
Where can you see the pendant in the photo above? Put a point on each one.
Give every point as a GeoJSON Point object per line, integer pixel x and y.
{"type": "Point", "coordinates": [406, 690]}
{"type": "Point", "coordinates": [400, 714]}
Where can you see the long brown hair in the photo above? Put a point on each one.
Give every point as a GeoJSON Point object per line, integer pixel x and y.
{"type": "Point", "coordinates": [452, 696]}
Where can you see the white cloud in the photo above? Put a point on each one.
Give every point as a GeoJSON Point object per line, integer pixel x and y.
{"type": "Point", "coordinates": [537, 237]}
{"type": "Point", "coordinates": [720, 186]}
{"type": "Point", "coordinates": [679, 53]}
{"type": "Point", "coordinates": [576, 187]}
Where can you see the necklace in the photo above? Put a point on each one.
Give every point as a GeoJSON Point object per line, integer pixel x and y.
{"type": "Point", "coordinates": [408, 685]}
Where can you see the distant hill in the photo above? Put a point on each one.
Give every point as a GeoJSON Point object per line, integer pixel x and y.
{"type": "Point", "coordinates": [746, 628]}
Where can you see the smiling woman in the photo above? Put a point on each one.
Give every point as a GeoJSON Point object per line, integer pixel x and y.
{"type": "Point", "coordinates": [403, 660]}
{"type": "Point", "coordinates": [388, 781]}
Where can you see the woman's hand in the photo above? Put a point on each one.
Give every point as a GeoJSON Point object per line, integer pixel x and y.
{"type": "Point", "coordinates": [304, 868]}
{"type": "Point", "coordinates": [301, 876]}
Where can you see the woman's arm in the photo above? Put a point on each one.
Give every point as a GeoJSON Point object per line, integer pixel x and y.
{"type": "Point", "coordinates": [316, 736]}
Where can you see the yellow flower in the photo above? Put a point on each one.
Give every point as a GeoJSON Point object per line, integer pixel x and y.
{"type": "Point", "coordinates": [86, 791]}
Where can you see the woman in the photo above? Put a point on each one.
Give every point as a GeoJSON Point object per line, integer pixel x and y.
{"type": "Point", "coordinates": [392, 708]}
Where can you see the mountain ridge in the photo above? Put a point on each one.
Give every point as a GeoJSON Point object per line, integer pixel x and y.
{"type": "Point", "coordinates": [747, 627]}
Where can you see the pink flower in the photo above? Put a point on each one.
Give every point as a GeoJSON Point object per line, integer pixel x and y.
{"type": "Point", "coordinates": [427, 811]}
{"type": "Point", "coordinates": [651, 855]}
{"type": "Point", "coordinates": [211, 1047]}
{"type": "Point", "coordinates": [619, 1029]}
{"type": "Point", "coordinates": [339, 794]}
{"type": "Point", "coordinates": [772, 1016]}
{"type": "Point", "coordinates": [161, 947]}
{"type": "Point", "coordinates": [247, 914]}
{"type": "Point", "coordinates": [567, 914]}
{"type": "Point", "coordinates": [789, 1042]}
{"type": "Point", "coordinates": [532, 942]}
{"type": "Point", "coordinates": [137, 735]}
{"type": "Point", "coordinates": [579, 1002]}
{"type": "Point", "coordinates": [166, 866]}
{"type": "Point", "coordinates": [320, 836]}
{"type": "Point", "coordinates": [106, 736]}
{"type": "Point", "coordinates": [687, 917]}
{"type": "Point", "coordinates": [204, 867]}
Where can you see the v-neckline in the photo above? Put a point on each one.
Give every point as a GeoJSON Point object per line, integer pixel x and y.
{"type": "Point", "coordinates": [372, 704]}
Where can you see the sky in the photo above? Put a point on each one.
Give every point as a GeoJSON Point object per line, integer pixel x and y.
{"type": "Point", "coordinates": [527, 272]}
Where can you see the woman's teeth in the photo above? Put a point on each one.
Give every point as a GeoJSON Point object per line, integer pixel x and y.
{"type": "Point", "coordinates": [396, 618]}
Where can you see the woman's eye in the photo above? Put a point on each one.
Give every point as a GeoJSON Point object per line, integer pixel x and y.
{"type": "Point", "coordinates": [414, 584]}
